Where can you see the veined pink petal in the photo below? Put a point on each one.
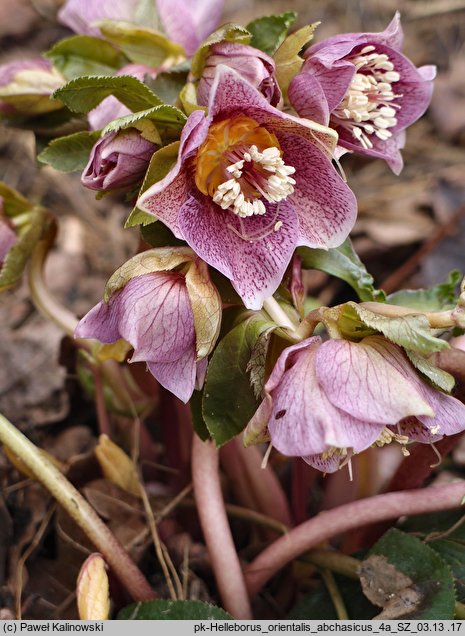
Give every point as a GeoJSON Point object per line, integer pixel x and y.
{"type": "Point", "coordinates": [370, 380]}
{"type": "Point", "coordinates": [178, 376]}
{"type": "Point", "coordinates": [188, 22]}
{"type": "Point", "coordinates": [326, 207]}
{"type": "Point", "coordinates": [308, 98]}
{"type": "Point", "coordinates": [304, 421]}
{"type": "Point", "coordinates": [165, 198]}
{"type": "Point", "coordinates": [255, 265]}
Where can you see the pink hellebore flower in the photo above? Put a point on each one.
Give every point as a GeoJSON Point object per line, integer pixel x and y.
{"type": "Point", "coordinates": [118, 160]}
{"type": "Point", "coordinates": [324, 399]}
{"type": "Point", "coordinates": [26, 87]}
{"type": "Point", "coordinates": [170, 318]}
{"type": "Point", "coordinates": [250, 184]}
{"type": "Point", "coordinates": [256, 67]}
{"type": "Point", "coordinates": [186, 22]}
{"type": "Point", "coordinates": [362, 85]}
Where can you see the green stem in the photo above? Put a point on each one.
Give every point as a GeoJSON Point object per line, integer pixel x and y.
{"type": "Point", "coordinates": [79, 509]}
{"type": "Point", "coordinates": [335, 594]}
{"type": "Point", "coordinates": [436, 319]}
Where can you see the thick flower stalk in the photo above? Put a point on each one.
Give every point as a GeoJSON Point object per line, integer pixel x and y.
{"type": "Point", "coordinates": [249, 185]}
{"type": "Point", "coordinates": [364, 87]}
{"type": "Point", "coordinates": [326, 400]}
{"type": "Point", "coordinates": [163, 303]}
{"type": "Point", "coordinates": [118, 161]}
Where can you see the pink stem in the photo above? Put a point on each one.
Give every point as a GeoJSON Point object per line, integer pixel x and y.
{"type": "Point", "coordinates": [216, 530]}
{"type": "Point", "coordinates": [329, 523]}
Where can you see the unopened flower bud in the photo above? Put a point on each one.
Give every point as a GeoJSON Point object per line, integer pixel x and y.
{"type": "Point", "coordinates": [26, 87]}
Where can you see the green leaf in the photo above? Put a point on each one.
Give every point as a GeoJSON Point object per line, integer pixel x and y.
{"type": "Point", "coordinates": [344, 263]}
{"type": "Point", "coordinates": [287, 59]}
{"type": "Point", "coordinates": [229, 400]}
{"type": "Point", "coordinates": [28, 234]}
{"type": "Point", "coordinates": [440, 297]}
{"type": "Point", "coordinates": [226, 33]}
{"type": "Point", "coordinates": [440, 378]}
{"type": "Point", "coordinates": [163, 116]}
{"type": "Point", "coordinates": [173, 611]}
{"type": "Point", "coordinates": [195, 405]}
{"type": "Point", "coordinates": [140, 44]}
{"type": "Point", "coordinates": [85, 93]}
{"type": "Point", "coordinates": [69, 153]}
{"type": "Point", "coordinates": [433, 584]}
{"type": "Point", "coordinates": [160, 164]}
{"type": "Point", "coordinates": [157, 234]}
{"type": "Point", "coordinates": [318, 604]}
{"type": "Point", "coordinates": [411, 331]}
{"type": "Point", "coordinates": [269, 32]}
{"type": "Point", "coordinates": [13, 202]}
{"type": "Point", "coordinates": [85, 55]}
{"type": "Point", "coordinates": [453, 554]}
{"type": "Point", "coordinates": [168, 85]}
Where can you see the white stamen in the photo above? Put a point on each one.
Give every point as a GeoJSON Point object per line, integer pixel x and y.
{"type": "Point", "coordinates": [367, 108]}
{"type": "Point", "coordinates": [278, 186]}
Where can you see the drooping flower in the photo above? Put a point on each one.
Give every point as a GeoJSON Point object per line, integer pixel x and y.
{"type": "Point", "coordinates": [256, 67]}
{"type": "Point", "coordinates": [186, 22]}
{"type": "Point", "coordinates": [326, 400]}
{"type": "Point", "coordinates": [26, 87]}
{"type": "Point", "coordinates": [363, 86]}
{"type": "Point", "coordinates": [250, 184]}
{"type": "Point", "coordinates": [171, 318]}
{"type": "Point", "coordinates": [118, 160]}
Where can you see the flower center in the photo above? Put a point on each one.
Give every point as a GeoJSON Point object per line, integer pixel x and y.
{"type": "Point", "coordinates": [367, 108]}
{"type": "Point", "coordinates": [240, 166]}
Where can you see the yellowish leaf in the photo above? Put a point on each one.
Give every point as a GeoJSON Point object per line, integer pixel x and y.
{"type": "Point", "coordinates": [287, 59]}
{"type": "Point", "coordinates": [93, 590]}
{"type": "Point", "coordinates": [116, 466]}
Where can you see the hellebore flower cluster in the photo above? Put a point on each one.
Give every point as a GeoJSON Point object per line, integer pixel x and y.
{"type": "Point", "coordinates": [250, 184]}
{"type": "Point", "coordinates": [325, 399]}
{"type": "Point", "coordinates": [170, 316]}
{"type": "Point", "coordinates": [118, 160]}
{"type": "Point", "coordinates": [362, 85]}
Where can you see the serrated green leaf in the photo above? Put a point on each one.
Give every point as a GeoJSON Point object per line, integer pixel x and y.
{"type": "Point", "coordinates": [269, 32]}
{"type": "Point", "coordinates": [256, 366]}
{"type": "Point", "coordinates": [160, 164]}
{"type": "Point", "coordinates": [85, 93]}
{"type": "Point", "coordinates": [287, 59]}
{"type": "Point", "coordinates": [163, 116]}
{"type": "Point", "coordinates": [226, 411]}
{"type": "Point", "coordinates": [453, 554]}
{"type": "Point", "coordinates": [440, 378]}
{"type": "Point", "coordinates": [344, 263]}
{"type": "Point", "coordinates": [431, 577]}
{"type": "Point", "coordinates": [411, 331]}
{"type": "Point", "coordinates": [226, 33]}
{"type": "Point", "coordinates": [140, 44]}
{"type": "Point", "coordinates": [69, 153]}
{"type": "Point", "coordinates": [85, 55]}
{"type": "Point", "coordinates": [440, 297]}
{"type": "Point", "coordinates": [161, 610]}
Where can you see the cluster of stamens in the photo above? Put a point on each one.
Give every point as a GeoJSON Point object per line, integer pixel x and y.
{"type": "Point", "coordinates": [255, 176]}
{"type": "Point", "coordinates": [367, 108]}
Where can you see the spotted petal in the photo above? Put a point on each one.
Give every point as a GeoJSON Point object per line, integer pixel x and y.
{"type": "Point", "coordinates": [326, 207]}
{"type": "Point", "coordinates": [254, 265]}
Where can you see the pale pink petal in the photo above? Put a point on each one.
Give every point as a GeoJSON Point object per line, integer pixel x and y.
{"type": "Point", "coordinates": [178, 376]}
{"type": "Point", "coordinates": [370, 380]}
{"type": "Point", "coordinates": [329, 465]}
{"type": "Point", "coordinates": [308, 98]}
{"type": "Point", "coordinates": [254, 265]}
{"type": "Point", "coordinates": [325, 205]}
{"type": "Point", "coordinates": [303, 421]}
{"type": "Point", "coordinates": [79, 15]}
{"type": "Point", "coordinates": [449, 413]}
{"type": "Point", "coordinates": [188, 22]}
